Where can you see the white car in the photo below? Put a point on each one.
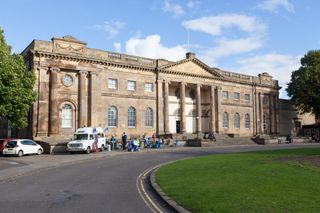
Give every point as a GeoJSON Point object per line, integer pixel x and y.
{"type": "Point", "coordinates": [22, 147]}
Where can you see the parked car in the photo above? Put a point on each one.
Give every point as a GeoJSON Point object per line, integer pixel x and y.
{"type": "Point", "coordinates": [22, 147]}
{"type": "Point", "coordinates": [3, 143]}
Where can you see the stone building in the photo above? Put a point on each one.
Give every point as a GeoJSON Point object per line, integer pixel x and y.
{"type": "Point", "coordinates": [79, 86]}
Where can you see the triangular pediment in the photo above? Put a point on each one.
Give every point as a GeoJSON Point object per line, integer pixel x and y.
{"type": "Point", "coordinates": [191, 67]}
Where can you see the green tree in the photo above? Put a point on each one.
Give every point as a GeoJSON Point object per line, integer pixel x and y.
{"type": "Point", "coordinates": [304, 86]}
{"type": "Point", "coordinates": [16, 86]}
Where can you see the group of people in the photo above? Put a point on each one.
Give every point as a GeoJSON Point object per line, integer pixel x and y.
{"type": "Point", "coordinates": [135, 144]}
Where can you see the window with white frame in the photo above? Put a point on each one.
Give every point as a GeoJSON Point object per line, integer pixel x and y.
{"type": "Point", "coordinates": [132, 117]}
{"type": "Point", "coordinates": [236, 120]}
{"type": "Point", "coordinates": [247, 121]}
{"type": "Point", "coordinates": [225, 95]}
{"type": "Point", "coordinates": [112, 83]}
{"type": "Point", "coordinates": [225, 120]}
{"type": "Point", "coordinates": [247, 98]}
{"type": "Point", "coordinates": [148, 87]}
{"type": "Point", "coordinates": [66, 115]}
{"type": "Point", "coordinates": [236, 96]}
{"type": "Point", "coordinates": [131, 85]}
{"type": "Point", "coordinates": [112, 116]}
{"type": "Point", "coordinates": [149, 117]}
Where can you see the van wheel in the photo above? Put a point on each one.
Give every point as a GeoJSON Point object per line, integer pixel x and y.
{"type": "Point", "coordinates": [39, 152]}
{"type": "Point", "coordinates": [20, 153]}
{"type": "Point", "coordinates": [102, 148]}
{"type": "Point", "coordinates": [88, 150]}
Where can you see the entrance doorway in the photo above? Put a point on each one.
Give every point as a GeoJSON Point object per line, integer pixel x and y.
{"type": "Point", "coordinates": [177, 126]}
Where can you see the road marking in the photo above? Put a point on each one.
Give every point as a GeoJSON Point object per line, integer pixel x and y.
{"type": "Point", "coordinates": [13, 163]}
{"type": "Point", "coordinates": [144, 195]}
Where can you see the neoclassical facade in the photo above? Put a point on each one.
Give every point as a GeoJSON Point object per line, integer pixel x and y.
{"type": "Point", "coordinates": [79, 86]}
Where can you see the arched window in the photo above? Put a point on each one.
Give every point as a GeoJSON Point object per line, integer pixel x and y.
{"type": "Point", "coordinates": [66, 121]}
{"type": "Point", "coordinates": [225, 120]}
{"type": "Point", "coordinates": [149, 117]}
{"type": "Point", "coordinates": [247, 121]}
{"type": "Point", "coordinates": [112, 116]}
{"type": "Point", "coordinates": [236, 120]}
{"type": "Point", "coordinates": [132, 117]}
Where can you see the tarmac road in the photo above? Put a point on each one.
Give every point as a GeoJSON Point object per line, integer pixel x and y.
{"type": "Point", "coordinates": [104, 184]}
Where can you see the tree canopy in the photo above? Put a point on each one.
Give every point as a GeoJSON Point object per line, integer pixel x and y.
{"type": "Point", "coordinates": [16, 86]}
{"type": "Point", "coordinates": [304, 86]}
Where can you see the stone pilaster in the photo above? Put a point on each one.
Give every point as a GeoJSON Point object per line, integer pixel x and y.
{"type": "Point", "coordinates": [212, 109]}
{"type": "Point", "coordinates": [166, 107]}
{"type": "Point", "coordinates": [53, 102]}
{"type": "Point", "coordinates": [271, 113]}
{"type": "Point", "coordinates": [261, 131]}
{"type": "Point", "coordinates": [198, 108]}
{"type": "Point", "coordinates": [82, 98]}
{"type": "Point", "coordinates": [160, 109]}
{"type": "Point", "coordinates": [183, 107]}
{"type": "Point", "coordinates": [277, 117]}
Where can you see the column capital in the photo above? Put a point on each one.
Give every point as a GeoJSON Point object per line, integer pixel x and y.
{"type": "Point", "coordinates": [54, 69]}
{"type": "Point", "coordinates": [183, 83]}
{"type": "Point", "coordinates": [83, 72]}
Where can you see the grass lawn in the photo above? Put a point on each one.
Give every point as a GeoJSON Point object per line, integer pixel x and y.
{"type": "Point", "coordinates": [268, 181]}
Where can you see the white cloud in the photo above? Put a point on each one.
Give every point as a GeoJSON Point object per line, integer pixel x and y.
{"type": "Point", "coordinates": [215, 25]}
{"type": "Point", "coordinates": [151, 47]}
{"type": "Point", "coordinates": [192, 4]}
{"type": "Point", "coordinates": [112, 28]}
{"type": "Point", "coordinates": [277, 65]}
{"type": "Point", "coordinates": [176, 9]}
{"type": "Point", "coordinates": [225, 47]}
{"type": "Point", "coordinates": [117, 46]}
{"type": "Point", "coordinates": [273, 5]}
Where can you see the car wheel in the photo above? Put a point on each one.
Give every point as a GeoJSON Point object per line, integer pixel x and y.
{"type": "Point", "coordinates": [39, 151]}
{"type": "Point", "coordinates": [88, 150]}
{"type": "Point", "coordinates": [102, 148]}
{"type": "Point", "coordinates": [20, 153]}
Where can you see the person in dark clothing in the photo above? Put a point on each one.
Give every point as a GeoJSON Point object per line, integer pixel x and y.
{"type": "Point", "coordinates": [124, 141]}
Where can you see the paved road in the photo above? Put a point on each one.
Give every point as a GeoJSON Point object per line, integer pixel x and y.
{"type": "Point", "coordinates": [105, 184]}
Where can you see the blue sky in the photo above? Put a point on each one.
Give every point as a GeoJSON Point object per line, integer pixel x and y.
{"type": "Point", "coordinates": [247, 36]}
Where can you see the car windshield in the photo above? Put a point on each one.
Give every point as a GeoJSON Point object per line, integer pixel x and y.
{"type": "Point", "coordinates": [81, 137]}
{"type": "Point", "coordinates": [11, 144]}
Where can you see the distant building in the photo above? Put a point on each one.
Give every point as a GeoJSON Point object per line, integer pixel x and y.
{"type": "Point", "coordinates": [79, 86]}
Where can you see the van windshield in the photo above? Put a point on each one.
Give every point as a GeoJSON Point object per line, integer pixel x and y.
{"type": "Point", "coordinates": [80, 136]}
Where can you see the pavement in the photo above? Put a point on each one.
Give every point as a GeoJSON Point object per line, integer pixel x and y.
{"type": "Point", "coordinates": [102, 182]}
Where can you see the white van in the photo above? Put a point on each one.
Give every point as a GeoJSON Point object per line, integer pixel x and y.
{"type": "Point", "coordinates": [84, 139]}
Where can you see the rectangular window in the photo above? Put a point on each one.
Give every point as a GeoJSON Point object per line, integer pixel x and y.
{"type": "Point", "coordinates": [236, 96]}
{"type": "Point", "coordinates": [225, 95]}
{"type": "Point", "coordinates": [112, 83]}
{"type": "Point", "coordinates": [131, 85]}
{"type": "Point", "coordinates": [247, 98]}
{"type": "Point", "coordinates": [148, 87]}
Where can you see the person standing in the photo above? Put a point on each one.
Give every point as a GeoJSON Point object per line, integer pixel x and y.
{"type": "Point", "coordinates": [112, 142]}
{"type": "Point", "coordinates": [124, 141]}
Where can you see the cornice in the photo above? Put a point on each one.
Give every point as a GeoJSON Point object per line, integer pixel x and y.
{"type": "Point", "coordinates": [93, 61]}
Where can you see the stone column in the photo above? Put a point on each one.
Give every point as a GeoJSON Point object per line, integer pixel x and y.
{"type": "Point", "coordinates": [53, 102]}
{"type": "Point", "coordinates": [254, 110]}
{"type": "Point", "coordinates": [271, 113]}
{"type": "Point", "coordinates": [218, 96]}
{"type": "Point", "coordinates": [261, 131]}
{"type": "Point", "coordinates": [166, 107]}
{"type": "Point", "coordinates": [160, 109]}
{"type": "Point", "coordinates": [82, 99]}
{"type": "Point", "coordinates": [41, 107]}
{"type": "Point", "coordinates": [277, 117]}
{"type": "Point", "coordinates": [212, 109]}
{"type": "Point", "coordinates": [198, 108]}
{"type": "Point", "coordinates": [183, 107]}
{"type": "Point", "coordinates": [94, 97]}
